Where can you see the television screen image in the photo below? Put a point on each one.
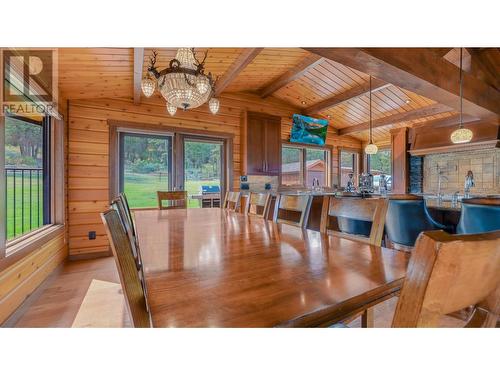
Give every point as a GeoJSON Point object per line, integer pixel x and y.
{"type": "Point", "coordinates": [308, 130]}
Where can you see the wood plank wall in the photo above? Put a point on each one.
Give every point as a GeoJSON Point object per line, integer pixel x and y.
{"type": "Point", "coordinates": [19, 280]}
{"type": "Point", "coordinates": [88, 182]}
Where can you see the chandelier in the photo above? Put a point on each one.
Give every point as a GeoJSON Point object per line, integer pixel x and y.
{"type": "Point", "coordinates": [461, 135]}
{"type": "Point", "coordinates": [183, 84]}
{"type": "Point", "coordinates": [371, 148]}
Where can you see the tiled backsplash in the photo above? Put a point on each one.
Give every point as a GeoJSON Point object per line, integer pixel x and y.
{"type": "Point", "coordinates": [485, 164]}
{"type": "Point", "coordinates": [257, 183]}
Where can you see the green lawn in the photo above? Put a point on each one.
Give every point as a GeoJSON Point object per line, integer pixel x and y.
{"type": "Point", "coordinates": [22, 214]}
{"type": "Point", "coordinates": [141, 189]}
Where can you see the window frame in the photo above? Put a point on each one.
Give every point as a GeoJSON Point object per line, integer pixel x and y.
{"type": "Point", "coordinates": [303, 147]}
{"type": "Point", "coordinates": [55, 214]}
{"type": "Point", "coordinates": [178, 134]}
{"type": "Point", "coordinates": [121, 166]}
{"type": "Point", "coordinates": [47, 171]}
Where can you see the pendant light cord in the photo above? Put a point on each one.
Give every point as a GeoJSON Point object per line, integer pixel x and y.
{"type": "Point", "coordinates": [461, 90]}
{"type": "Point", "coordinates": [370, 110]}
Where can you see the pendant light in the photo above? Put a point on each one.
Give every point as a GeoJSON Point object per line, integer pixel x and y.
{"type": "Point", "coordinates": [461, 135]}
{"type": "Point", "coordinates": [371, 148]}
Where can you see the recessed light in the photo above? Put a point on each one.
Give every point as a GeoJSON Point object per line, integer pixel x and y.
{"type": "Point", "coordinates": [303, 102]}
{"type": "Point", "coordinates": [329, 116]}
{"type": "Point", "coordinates": [407, 101]}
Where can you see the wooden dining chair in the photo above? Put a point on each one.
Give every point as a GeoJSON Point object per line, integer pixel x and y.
{"type": "Point", "coordinates": [119, 206]}
{"type": "Point", "coordinates": [258, 204]}
{"type": "Point", "coordinates": [174, 199]}
{"type": "Point", "coordinates": [133, 288]}
{"type": "Point", "coordinates": [232, 200]}
{"type": "Point", "coordinates": [356, 218]}
{"type": "Point", "coordinates": [448, 273]}
{"type": "Point", "coordinates": [292, 209]}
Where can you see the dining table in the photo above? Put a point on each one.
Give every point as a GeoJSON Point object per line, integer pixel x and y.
{"type": "Point", "coordinates": [210, 267]}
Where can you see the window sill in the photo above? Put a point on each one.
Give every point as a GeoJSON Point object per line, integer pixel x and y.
{"type": "Point", "coordinates": [20, 247]}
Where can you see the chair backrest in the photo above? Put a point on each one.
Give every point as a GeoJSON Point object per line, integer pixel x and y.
{"type": "Point", "coordinates": [118, 205]}
{"type": "Point", "coordinates": [258, 204]}
{"type": "Point", "coordinates": [124, 199]}
{"type": "Point", "coordinates": [174, 199]}
{"type": "Point", "coordinates": [292, 209]}
{"type": "Point", "coordinates": [406, 218]}
{"type": "Point", "coordinates": [479, 215]}
{"type": "Point", "coordinates": [133, 289]}
{"type": "Point", "coordinates": [232, 200]}
{"type": "Point", "coordinates": [354, 215]}
{"type": "Point", "coordinates": [447, 273]}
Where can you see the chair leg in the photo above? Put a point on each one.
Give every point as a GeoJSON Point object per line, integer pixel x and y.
{"type": "Point", "coordinates": [367, 320]}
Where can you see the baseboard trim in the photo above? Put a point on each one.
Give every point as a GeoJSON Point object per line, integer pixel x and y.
{"type": "Point", "coordinates": [100, 254]}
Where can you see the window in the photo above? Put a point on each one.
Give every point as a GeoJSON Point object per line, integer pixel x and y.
{"type": "Point", "coordinates": [292, 173]}
{"type": "Point", "coordinates": [348, 164]}
{"type": "Point", "coordinates": [145, 167]}
{"type": "Point", "coordinates": [301, 165]}
{"type": "Point", "coordinates": [378, 164]}
{"type": "Point", "coordinates": [27, 175]}
{"type": "Point", "coordinates": [203, 171]}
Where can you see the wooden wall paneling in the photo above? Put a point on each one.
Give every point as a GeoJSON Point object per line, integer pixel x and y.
{"type": "Point", "coordinates": [19, 280]}
{"type": "Point", "coordinates": [399, 155]}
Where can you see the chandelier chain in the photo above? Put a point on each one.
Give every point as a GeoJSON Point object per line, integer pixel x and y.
{"type": "Point", "coordinates": [461, 90]}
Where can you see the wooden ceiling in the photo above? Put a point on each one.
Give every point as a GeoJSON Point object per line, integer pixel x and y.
{"type": "Point", "coordinates": [313, 84]}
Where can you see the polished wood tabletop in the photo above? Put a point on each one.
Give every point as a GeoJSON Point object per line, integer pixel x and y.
{"type": "Point", "coordinates": [213, 268]}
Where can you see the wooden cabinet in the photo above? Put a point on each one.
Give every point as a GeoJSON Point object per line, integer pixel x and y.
{"type": "Point", "coordinates": [262, 148]}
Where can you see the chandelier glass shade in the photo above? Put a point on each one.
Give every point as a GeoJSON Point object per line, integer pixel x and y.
{"type": "Point", "coordinates": [148, 86]}
{"type": "Point", "coordinates": [183, 84]}
{"type": "Point", "coordinates": [171, 109]}
{"type": "Point", "coordinates": [371, 149]}
{"type": "Point", "coordinates": [461, 135]}
{"type": "Point", "coordinates": [214, 104]}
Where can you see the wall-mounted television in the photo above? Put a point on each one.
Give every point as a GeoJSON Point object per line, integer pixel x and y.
{"type": "Point", "coordinates": [308, 130]}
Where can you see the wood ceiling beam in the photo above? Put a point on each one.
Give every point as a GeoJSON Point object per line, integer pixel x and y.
{"type": "Point", "coordinates": [430, 110]}
{"type": "Point", "coordinates": [295, 73]}
{"type": "Point", "coordinates": [446, 121]}
{"type": "Point", "coordinates": [421, 71]}
{"type": "Point", "coordinates": [245, 58]}
{"type": "Point", "coordinates": [482, 68]}
{"type": "Point", "coordinates": [138, 66]}
{"type": "Point", "coordinates": [353, 93]}
{"type": "Point", "coordinates": [441, 52]}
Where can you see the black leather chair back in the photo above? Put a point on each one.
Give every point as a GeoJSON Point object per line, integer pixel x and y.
{"type": "Point", "coordinates": [479, 216]}
{"type": "Point", "coordinates": [407, 218]}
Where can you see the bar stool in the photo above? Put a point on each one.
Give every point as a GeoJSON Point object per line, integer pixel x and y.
{"type": "Point", "coordinates": [407, 217]}
{"type": "Point", "coordinates": [479, 215]}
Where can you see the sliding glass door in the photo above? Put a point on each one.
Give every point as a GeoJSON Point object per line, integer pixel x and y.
{"type": "Point", "coordinates": [203, 171]}
{"type": "Point", "coordinates": [145, 167]}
